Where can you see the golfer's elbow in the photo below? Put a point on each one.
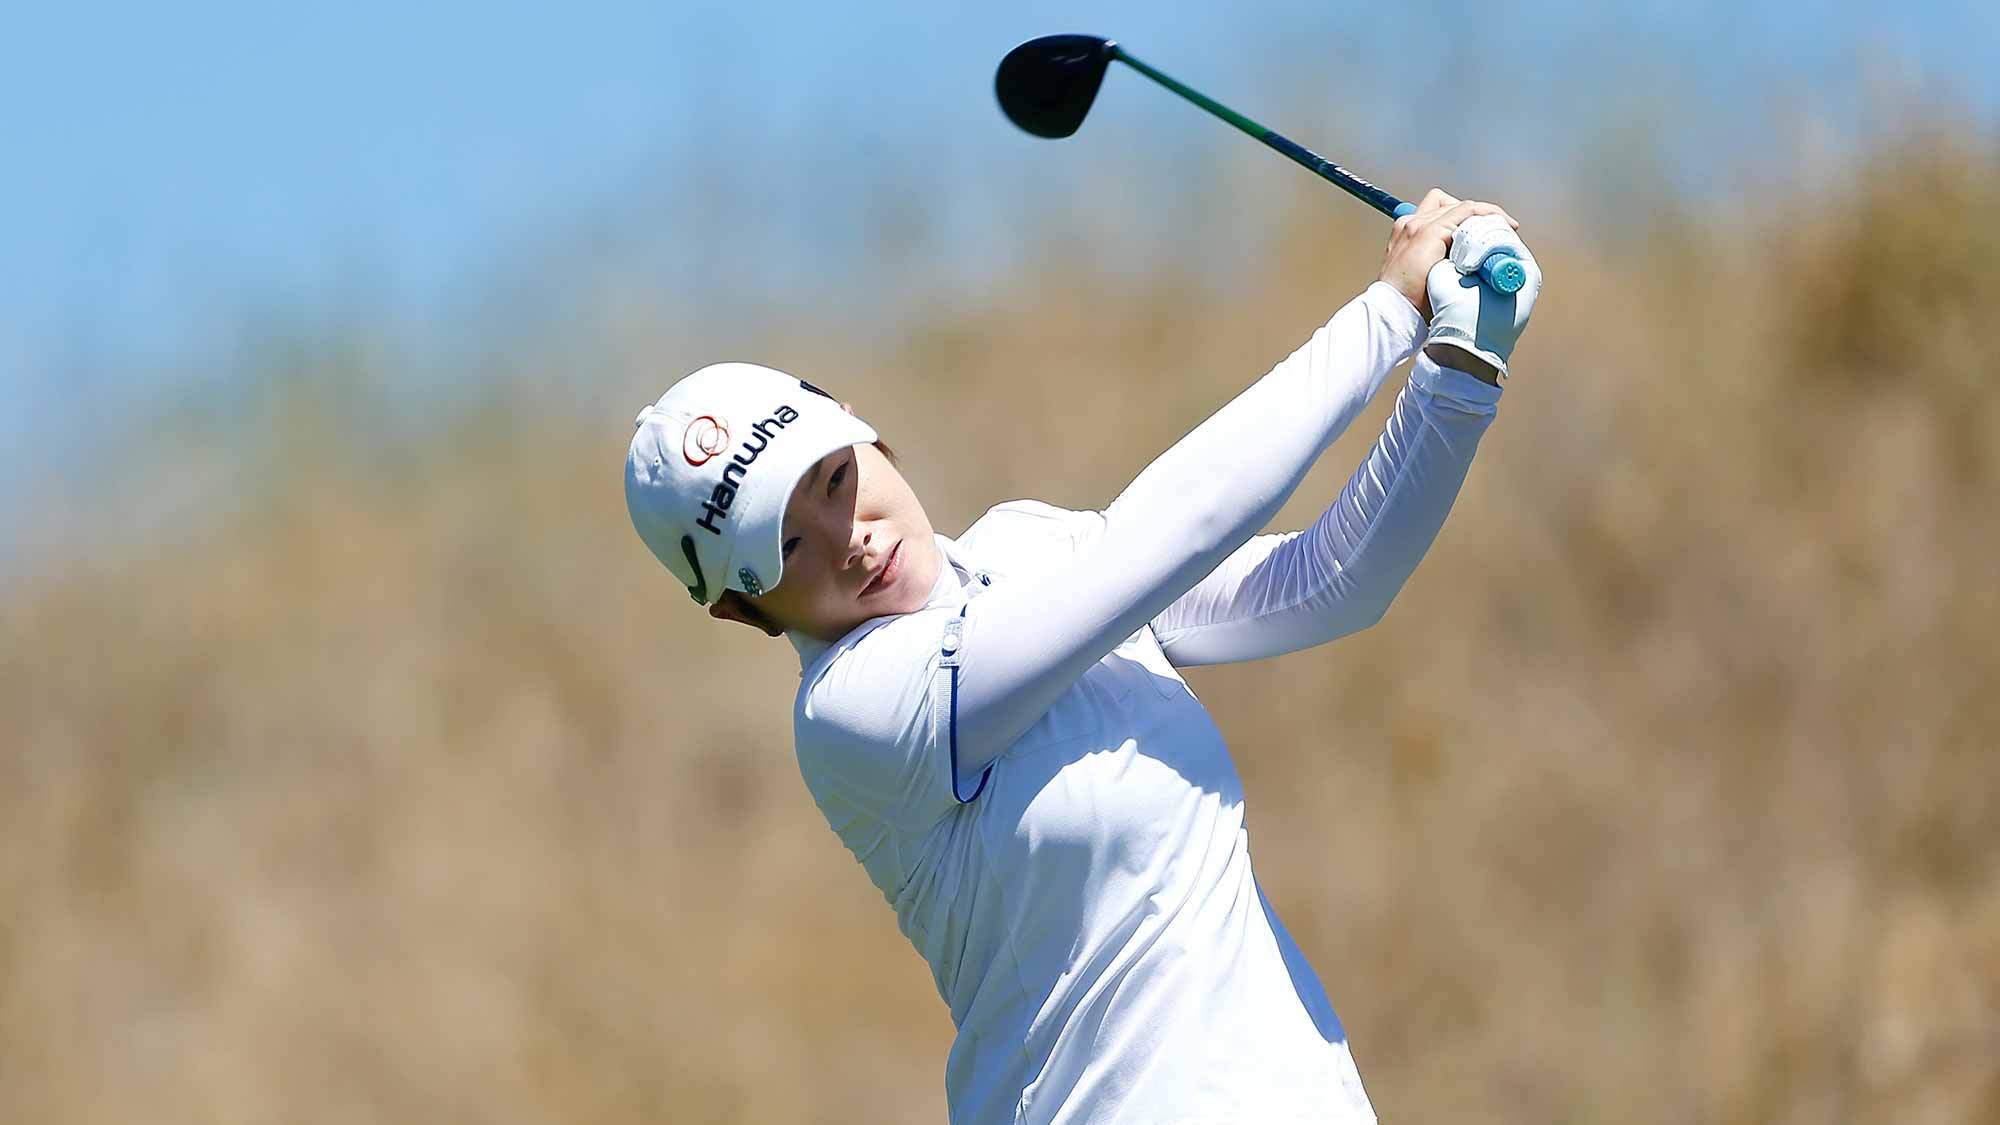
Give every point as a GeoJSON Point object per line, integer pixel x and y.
{"type": "Point", "coordinates": [1373, 611]}
{"type": "Point", "coordinates": [1216, 521]}
{"type": "Point", "coordinates": [1367, 601]}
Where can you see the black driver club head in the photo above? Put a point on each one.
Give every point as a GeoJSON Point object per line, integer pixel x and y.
{"type": "Point", "coordinates": [1046, 85]}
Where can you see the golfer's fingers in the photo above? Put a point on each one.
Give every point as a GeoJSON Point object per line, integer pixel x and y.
{"type": "Point", "coordinates": [1486, 208]}
{"type": "Point", "coordinates": [1434, 202]}
{"type": "Point", "coordinates": [1435, 218]}
{"type": "Point", "coordinates": [1447, 221]}
{"type": "Point", "coordinates": [1436, 199]}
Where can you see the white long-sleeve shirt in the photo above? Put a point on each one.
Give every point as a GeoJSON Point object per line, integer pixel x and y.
{"type": "Point", "coordinates": [1056, 821]}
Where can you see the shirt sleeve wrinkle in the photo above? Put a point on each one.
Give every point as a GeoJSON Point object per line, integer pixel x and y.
{"type": "Point", "coordinates": [1282, 593]}
{"type": "Point", "coordinates": [1173, 550]}
{"type": "Point", "coordinates": [1028, 640]}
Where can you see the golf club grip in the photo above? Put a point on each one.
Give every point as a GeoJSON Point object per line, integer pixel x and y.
{"type": "Point", "coordinates": [1502, 272]}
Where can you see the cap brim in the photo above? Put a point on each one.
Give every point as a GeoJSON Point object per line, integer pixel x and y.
{"type": "Point", "coordinates": [760, 540]}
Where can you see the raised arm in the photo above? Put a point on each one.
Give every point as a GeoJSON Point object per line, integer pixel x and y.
{"type": "Point", "coordinates": [1026, 642]}
{"type": "Point", "coordinates": [1281, 593]}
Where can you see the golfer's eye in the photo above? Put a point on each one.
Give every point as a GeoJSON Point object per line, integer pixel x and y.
{"type": "Point", "coordinates": [833, 480]}
{"type": "Point", "coordinates": [789, 545]}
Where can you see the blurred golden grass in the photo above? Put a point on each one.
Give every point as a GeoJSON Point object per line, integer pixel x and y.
{"type": "Point", "coordinates": [409, 788]}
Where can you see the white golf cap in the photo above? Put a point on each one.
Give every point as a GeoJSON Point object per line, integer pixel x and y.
{"type": "Point", "coordinates": [713, 463]}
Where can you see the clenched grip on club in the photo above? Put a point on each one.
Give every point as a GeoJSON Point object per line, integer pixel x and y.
{"type": "Point", "coordinates": [1482, 251]}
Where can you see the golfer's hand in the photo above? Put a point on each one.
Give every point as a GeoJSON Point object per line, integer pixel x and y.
{"type": "Point", "coordinates": [1474, 326]}
{"type": "Point", "coordinates": [1422, 240]}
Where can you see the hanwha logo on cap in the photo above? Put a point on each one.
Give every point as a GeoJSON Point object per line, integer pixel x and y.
{"type": "Point", "coordinates": [706, 436]}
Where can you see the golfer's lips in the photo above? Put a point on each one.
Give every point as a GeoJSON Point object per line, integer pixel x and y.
{"type": "Point", "coordinates": [886, 573]}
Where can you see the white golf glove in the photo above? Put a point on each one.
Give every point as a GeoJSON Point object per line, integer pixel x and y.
{"type": "Point", "coordinates": [1469, 315]}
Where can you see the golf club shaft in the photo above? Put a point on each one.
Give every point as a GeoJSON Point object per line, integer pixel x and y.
{"type": "Point", "coordinates": [1500, 271]}
{"type": "Point", "coordinates": [1326, 169]}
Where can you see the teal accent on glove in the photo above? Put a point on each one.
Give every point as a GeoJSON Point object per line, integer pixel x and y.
{"type": "Point", "coordinates": [1476, 318]}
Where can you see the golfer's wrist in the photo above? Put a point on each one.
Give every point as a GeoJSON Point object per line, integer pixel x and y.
{"type": "Point", "coordinates": [1403, 318]}
{"type": "Point", "coordinates": [1455, 358]}
{"type": "Point", "coordinates": [1417, 295]}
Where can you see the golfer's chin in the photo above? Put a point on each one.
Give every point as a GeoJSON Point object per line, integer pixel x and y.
{"type": "Point", "coordinates": [918, 561]}
{"type": "Point", "coordinates": [917, 572]}
{"type": "Point", "coordinates": [921, 563]}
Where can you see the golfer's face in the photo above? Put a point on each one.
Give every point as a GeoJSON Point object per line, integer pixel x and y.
{"type": "Point", "coordinates": [857, 545]}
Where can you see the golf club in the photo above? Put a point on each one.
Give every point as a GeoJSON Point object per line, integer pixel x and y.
{"type": "Point", "coordinates": [1047, 85]}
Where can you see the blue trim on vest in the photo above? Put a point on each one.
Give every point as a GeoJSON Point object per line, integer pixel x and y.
{"type": "Point", "coordinates": [988, 774]}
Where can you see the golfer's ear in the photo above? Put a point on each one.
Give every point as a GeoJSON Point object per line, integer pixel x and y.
{"type": "Point", "coordinates": [732, 606]}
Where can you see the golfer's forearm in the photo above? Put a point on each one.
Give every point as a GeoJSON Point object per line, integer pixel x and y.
{"type": "Point", "coordinates": [1027, 642]}
{"type": "Point", "coordinates": [1227, 478]}
{"type": "Point", "coordinates": [1279, 594]}
{"type": "Point", "coordinates": [1230, 474]}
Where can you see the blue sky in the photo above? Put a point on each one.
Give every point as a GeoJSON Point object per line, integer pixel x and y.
{"type": "Point", "coordinates": [170, 169]}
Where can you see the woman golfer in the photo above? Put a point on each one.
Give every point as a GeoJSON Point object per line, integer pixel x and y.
{"type": "Point", "coordinates": [996, 725]}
